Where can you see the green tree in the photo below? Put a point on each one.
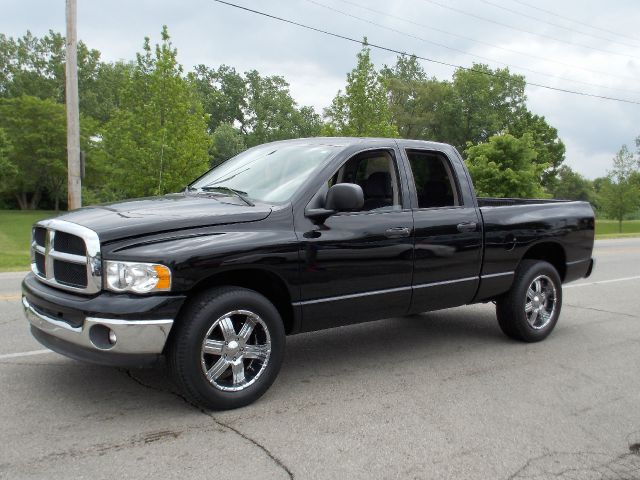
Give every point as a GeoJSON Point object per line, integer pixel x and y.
{"type": "Point", "coordinates": [8, 170]}
{"type": "Point", "coordinates": [570, 185]}
{"type": "Point", "coordinates": [619, 196]}
{"type": "Point", "coordinates": [260, 106]}
{"type": "Point", "coordinates": [546, 142]}
{"type": "Point", "coordinates": [363, 109]}
{"type": "Point", "coordinates": [271, 112]}
{"type": "Point", "coordinates": [485, 102]}
{"type": "Point", "coordinates": [417, 103]}
{"type": "Point", "coordinates": [227, 143]}
{"type": "Point", "coordinates": [28, 66]}
{"type": "Point", "coordinates": [477, 104]}
{"type": "Point", "coordinates": [223, 93]}
{"type": "Point", "coordinates": [505, 166]}
{"type": "Point", "coordinates": [157, 140]}
{"type": "Point", "coordinates": [36, 67]}
{"type": "Point", "coordinates": [100, 94]}
{"type": "Point", "coordinates": [37, 131]}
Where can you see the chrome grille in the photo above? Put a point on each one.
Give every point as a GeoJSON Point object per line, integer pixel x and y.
{"type": "Point", "coordinates": [71, 274]}
{"type": "Point", "coordinates": [65, 242]}
{"type": "Point", "coordinates": [40, 235]}
{"type": "Point", "coordinates": [67, 256]}
{"type": "Point", "coordinates": [39, 261]}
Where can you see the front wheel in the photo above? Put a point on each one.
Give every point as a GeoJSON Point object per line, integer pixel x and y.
{"type": "Point", "coordinates": [530, 310]}
{"type": "Point", "coordinates": [227, 349]}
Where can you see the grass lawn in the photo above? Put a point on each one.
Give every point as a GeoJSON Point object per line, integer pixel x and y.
{"type": "Point", "coordinates": [15, 235]}
{"type": "Point", "coordinates": [609, 228]}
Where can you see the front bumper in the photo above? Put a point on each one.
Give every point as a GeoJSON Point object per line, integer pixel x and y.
{"type": "Point", "coordinates": [106, 329]}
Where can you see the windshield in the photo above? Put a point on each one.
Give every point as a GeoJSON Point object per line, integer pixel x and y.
{"type": "Point", "coordinates": [268, 173]}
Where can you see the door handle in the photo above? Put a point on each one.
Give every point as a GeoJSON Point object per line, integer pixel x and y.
{"type": "Point", "coordinates": [467, 227]}
{"type": "Point", "coordinates": [397, 232]}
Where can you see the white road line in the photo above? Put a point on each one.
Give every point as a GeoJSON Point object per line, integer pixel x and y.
{"type": "Point", "coordinates": [624, 279]}
{"type": "Point", "coordinates": [24, 354]}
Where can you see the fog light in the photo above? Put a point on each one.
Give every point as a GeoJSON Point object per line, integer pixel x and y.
{"type": "Point", "coordinates": [102, 337]}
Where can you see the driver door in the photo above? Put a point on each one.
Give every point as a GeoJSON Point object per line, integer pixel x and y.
{"type": "Point", "coordinates": [357, 266]}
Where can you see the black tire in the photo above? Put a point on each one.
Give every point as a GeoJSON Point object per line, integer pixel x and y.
{"type": "Point", "coordinates": [200, 319]}
{"type": "Point", "coordinates": [513, 318]}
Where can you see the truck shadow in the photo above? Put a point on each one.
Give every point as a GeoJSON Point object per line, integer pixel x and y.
{"type": "Point", "coordinates": [355, 349]}
{"type": "Point", "coordinates": [435, 335]}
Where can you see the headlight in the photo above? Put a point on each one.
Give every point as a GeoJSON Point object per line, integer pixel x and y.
{"type": "Point", "coordinates": [137, 277]}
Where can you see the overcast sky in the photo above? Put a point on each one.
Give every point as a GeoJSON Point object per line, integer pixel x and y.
{"type": "Point", "coordinates": [604, 60]}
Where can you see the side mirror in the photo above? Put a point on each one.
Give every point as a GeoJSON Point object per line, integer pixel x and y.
{"type": "Point", "coordinates": [342, 197]}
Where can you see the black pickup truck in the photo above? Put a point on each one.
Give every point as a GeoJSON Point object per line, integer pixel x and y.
{"type": "Point", "coordinates": [291, 237]}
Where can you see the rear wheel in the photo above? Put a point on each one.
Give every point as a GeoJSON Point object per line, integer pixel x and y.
{"type": "Point", "coordinates": [530, 310]}
{"type": "Point", "coordinates": [227, 349]}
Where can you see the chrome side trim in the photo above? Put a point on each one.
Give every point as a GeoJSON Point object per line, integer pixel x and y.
{"type": "Point", "coordinates": [93, 260]}
{"type": "Point", "coordinates": [493, 275]}
{"type": "Point", "coordinates": [133, 337]}
{"type": "Point", "coordinates": [353, 295]}
{"type": "Point", "coordinates": [446, 282]}
{"type": "Point", "coordinates": [380, 292]}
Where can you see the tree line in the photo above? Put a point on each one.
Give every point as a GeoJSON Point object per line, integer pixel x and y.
{"type": "Point", "coordinates": [148, 127]}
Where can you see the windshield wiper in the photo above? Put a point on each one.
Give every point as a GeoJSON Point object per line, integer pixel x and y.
{"type": "Point", "coordinates": [238, 193]}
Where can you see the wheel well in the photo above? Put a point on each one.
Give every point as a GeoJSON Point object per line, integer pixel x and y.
{"type": "Point", "coordinates": [262, 281]}
{"type": "Point", "coordinates": [549, 252]}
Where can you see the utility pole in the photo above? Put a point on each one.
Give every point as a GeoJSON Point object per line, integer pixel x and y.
{"type": "Point", "coordinates": [73, 112]}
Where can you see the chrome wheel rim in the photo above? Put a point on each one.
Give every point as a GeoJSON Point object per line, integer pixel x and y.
{"type": "Point", "coordinates": [540, 303]}
{"type": "Point", "coordinates": [236, 350]}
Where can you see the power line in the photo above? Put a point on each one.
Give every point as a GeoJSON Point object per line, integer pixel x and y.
{"type": "Point", "coordinates": [484, 19]}
{"type": "Point", "coordinates": [557, 25]}
{"type": "Point", "coordinates": [399, 52]}
{"type": "Point", "coordinates": [315, 2]}
{"type": "Point", "coordinates": [379, 12]}
{"type": "Point", "coordinates": [535, 7]}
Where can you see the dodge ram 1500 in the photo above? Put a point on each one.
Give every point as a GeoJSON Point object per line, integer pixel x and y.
{"type": "Point", "coordinates": [290, 237]}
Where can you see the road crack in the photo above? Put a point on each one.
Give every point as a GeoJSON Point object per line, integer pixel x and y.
{"type": "Point", "coordinates": [218, 422]}
{"type": "Point", "coordinates": [578, 465]}
{"type": "Point", "coordinates": [100, 449]}
{"type": "Point", "coordinates": [602, 311]}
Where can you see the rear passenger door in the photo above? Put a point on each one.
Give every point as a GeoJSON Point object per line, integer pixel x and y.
{"type": "Point", "coordinates": [447, 229]}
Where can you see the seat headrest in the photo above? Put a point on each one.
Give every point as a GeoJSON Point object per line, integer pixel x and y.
{"type": "Point", "coordinates": [378, 185]}
{"type": "Point", "coordinates": [435, 189]}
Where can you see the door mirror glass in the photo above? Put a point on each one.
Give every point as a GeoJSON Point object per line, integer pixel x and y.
{"type": "Point", "coordinates": [345, 197]}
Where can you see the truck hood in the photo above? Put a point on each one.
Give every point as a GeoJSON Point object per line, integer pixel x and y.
{"type": "Point", "coordinates": [144, 216]}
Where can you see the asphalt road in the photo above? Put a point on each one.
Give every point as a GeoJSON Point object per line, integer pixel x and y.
{"type": "Point", "coordinates": [440, 395]}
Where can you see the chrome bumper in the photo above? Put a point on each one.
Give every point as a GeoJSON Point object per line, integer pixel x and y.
{"type": "Point", "coordinates": [131, 337]}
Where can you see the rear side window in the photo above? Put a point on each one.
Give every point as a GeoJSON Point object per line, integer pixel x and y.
{"type": "Point", "coordinates": [435, 181]}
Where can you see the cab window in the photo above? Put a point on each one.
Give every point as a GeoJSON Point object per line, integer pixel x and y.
{"type": "Point", "coordinates": [434, 179]}
{"type": "Point", "coordinates": [376, 172]}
